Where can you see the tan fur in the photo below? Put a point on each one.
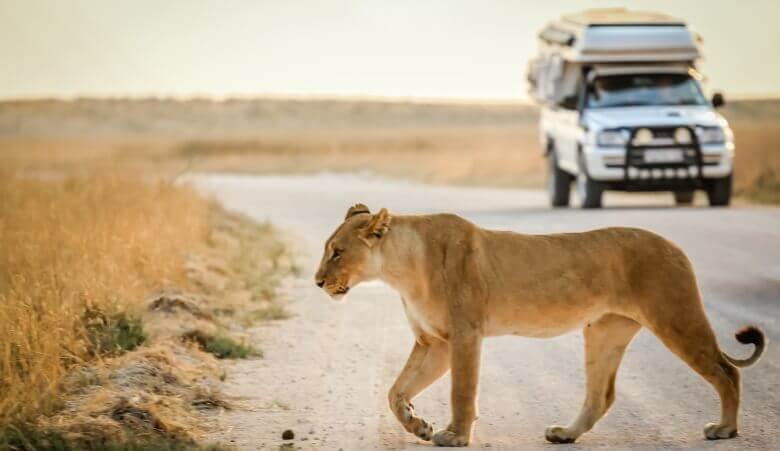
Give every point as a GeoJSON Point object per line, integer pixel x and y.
{"type": "Point", "coordinates": [460, 283]}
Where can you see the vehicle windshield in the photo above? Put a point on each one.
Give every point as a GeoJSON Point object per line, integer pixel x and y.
{"type": "Point", "coordinates": [644, 90]}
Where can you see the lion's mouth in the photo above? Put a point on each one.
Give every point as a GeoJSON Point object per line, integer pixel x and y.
{"type": "Point", "coordinates": [341, 291]}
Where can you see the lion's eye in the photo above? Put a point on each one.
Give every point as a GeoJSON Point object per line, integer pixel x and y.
{"type": "Point", "coordinates": [336, 254]}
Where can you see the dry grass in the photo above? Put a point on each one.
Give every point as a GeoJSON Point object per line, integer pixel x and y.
{"type": "Point", "coordinates": [272, 312]}
{"type": "Point", "coordinates": [82, 246]}
{"type": "Point", "coordinates": [757, 160]}
{"type": "Point", "coordinates": [496, 155]}
{"type": "Point", "coordinates": [491, 145]}
{"type": "Point", "coordinates": [73, 245]}
{"type": "Point", "coordinates": [89, 359]}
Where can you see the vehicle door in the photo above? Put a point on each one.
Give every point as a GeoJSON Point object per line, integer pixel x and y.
{"type": "Point", "coordinates": [568, 131]}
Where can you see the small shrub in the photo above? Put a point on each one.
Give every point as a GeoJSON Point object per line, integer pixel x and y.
{"type": "Point", "coordinates": [226, 348]}
{"type": "Point", "coordinates": [222, 346]}
{"type": "Point", "coordinates": [24, 438]}
{"type": "Point", "coordinates": [112, 335]}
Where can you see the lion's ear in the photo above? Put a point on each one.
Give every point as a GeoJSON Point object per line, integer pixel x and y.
{"type": "Point", "coordinates": [356, 210]}
{"type": "Point", "coordinates": [378, 225]}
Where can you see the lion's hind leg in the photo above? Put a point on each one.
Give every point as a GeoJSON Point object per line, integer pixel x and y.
{"type": "Point", "coordinates": [691, 338]}
{"type": "Point", "coordinates": [605, 342]}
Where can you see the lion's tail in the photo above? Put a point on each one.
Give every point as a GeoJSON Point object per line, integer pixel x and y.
{"type": "Point", "coordinates": [749, 335]}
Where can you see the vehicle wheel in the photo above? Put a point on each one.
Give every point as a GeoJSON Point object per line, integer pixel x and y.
{"type": "Point", "coordinates": [589, 191]}
{"type": "Point", "coordinates": [719, 191]}
{"type": "Point", "coordinates": [558, 182]}
{"type": "Point", "coordinates": [683, 197]}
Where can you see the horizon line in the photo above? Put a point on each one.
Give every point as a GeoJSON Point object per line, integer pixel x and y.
{"type": "Point", "coordinates": [312, 97]}
{"type": "Point", "coordinates": [271, 96]}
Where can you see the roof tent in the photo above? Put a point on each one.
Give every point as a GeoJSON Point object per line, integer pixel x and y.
{"type": "Point", "coordinates": [616, 34]}
{"type": "Point", "coordinates": [613, 36]}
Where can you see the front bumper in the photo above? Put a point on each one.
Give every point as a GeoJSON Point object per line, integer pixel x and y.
{"type": "Point", "coordinates": [608, 164]}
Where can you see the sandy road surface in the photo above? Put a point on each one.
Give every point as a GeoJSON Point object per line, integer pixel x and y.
{"type": "Point", "coordinates": [327, 370]}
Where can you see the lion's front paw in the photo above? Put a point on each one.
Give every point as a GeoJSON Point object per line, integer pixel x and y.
{"type": "Point", "coordinates": [559, 434]}
{"type": "Point", "coordinates": [423, 429]}
{"type": "Point", "coordinates": [449, 438]}
{"type": "Point", "coordinates": [714, 431]}
{"type": "Point", "coordinates": [414, 424]}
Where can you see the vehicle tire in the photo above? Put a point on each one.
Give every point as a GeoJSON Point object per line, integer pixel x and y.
{"type": "Point", "coordinates": [589, 191]}
{"type": "Point", "coordinates": [558, 182]}
{"type": "Point", "coordinates": [683, 197]}
{"type": "Point", "coordinates": [719, 191]}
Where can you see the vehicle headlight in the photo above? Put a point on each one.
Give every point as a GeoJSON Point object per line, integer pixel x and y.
{"type": "Point", "coordinates": [682, 136]}
{"type": "Point", "coordinates": [643, 137]}
{"type": "Point", "coordinates": [612, 138]}
{"type": "Point", "coordinates": [710, 135]}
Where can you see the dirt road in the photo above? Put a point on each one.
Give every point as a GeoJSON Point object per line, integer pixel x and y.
{"type": "Point", "coordinates": [327, 370]}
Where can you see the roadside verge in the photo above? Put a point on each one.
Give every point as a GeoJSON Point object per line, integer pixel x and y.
{"type": "Point", "coordinates": [118, 299]}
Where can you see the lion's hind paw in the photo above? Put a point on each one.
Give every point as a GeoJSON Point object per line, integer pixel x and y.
{"type": "Point", "coordinates": [558, 434]}
{"type": "Point", "coordinates": [714, 431]}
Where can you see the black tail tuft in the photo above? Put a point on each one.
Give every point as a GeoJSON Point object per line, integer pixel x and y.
{"type": "Point", "coordinates": [749, 335]}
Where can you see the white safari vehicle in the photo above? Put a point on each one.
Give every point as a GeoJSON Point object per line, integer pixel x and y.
{"type": "Point", "coordinates": [623, 109]}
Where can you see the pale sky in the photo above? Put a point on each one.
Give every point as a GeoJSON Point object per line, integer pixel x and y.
{"type": "Point", "coordinates": [391, 48]}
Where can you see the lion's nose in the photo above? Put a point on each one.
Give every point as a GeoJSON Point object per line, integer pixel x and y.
{"type": "Point", "coordinates": [320, 283]}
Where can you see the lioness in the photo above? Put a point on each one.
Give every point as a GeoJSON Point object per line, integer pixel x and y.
{"type": "Point", "coordinates": [460, 283]}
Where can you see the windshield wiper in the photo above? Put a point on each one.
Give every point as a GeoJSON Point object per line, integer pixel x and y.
{"type": "Point", "coordinates": [688, 103]}
{"type": "Point", "coordinates": [617, 105]}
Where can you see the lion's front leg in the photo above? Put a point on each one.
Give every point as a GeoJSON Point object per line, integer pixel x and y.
{"type": "Point", "coordinates": [465, 379]}
{"type": "Point", "coordinates": [426, 364]}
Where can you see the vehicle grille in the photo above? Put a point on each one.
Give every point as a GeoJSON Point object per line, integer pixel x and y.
{"type": "Point", "coordinates": [637, 166]}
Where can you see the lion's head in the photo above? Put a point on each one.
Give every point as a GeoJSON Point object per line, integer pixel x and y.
{"type": "Point", "coordinates": [350, 255]}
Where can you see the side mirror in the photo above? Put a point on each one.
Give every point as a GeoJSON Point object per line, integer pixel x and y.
{"type": "Point", "coordinates": [570, 102]}
{"type": "Point", "coordinates": [718, 100]}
